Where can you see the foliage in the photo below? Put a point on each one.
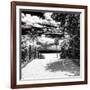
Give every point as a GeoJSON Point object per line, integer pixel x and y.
{"type": "Point", "coordinates": [68, 24]}
{"type": "Point", "coordinates": [24, 47]}
{"type": "Point", "coordinates": [71, 24]}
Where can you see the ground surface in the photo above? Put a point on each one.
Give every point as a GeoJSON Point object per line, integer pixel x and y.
{"type": "Point", "coordinates": [49, 67]}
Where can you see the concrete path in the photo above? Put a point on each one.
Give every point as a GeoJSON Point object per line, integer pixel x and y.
{"type": "Point", "coordinates": [37, 69]}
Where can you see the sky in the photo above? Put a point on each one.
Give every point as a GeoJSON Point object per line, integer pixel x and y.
{"type": "Point", "coordinates": [35, 20]}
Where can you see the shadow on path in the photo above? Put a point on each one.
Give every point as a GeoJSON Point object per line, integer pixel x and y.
{"type": "Point", "coordinates": [66, 65]}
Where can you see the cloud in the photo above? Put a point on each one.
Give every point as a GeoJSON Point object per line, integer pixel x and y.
{"type": "Point", "coordinates": [47, 15]}
{"type": "Point", "coordinates": [37, 21]}
{"type": "Point", "coordinates": [28, 19]}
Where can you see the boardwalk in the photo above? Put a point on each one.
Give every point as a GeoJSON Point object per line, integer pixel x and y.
{"type": "Point", "coordinates": [49, 67]}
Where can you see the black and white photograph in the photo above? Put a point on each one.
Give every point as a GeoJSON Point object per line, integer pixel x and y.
{"type": "Point", "coordinates": [49, 44]}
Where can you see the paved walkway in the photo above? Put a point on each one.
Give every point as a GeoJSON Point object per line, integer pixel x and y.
{"type": "Point", "coordinates": [47, 68]}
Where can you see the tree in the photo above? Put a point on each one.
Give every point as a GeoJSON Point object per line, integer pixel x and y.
{"type": "Point", "coordinates": [56, 43]}
{"type": "Point", "coordinates": [71, 24]}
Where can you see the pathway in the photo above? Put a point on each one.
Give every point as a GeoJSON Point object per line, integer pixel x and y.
{"type": "Point", "coordinates": [48, 68]}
